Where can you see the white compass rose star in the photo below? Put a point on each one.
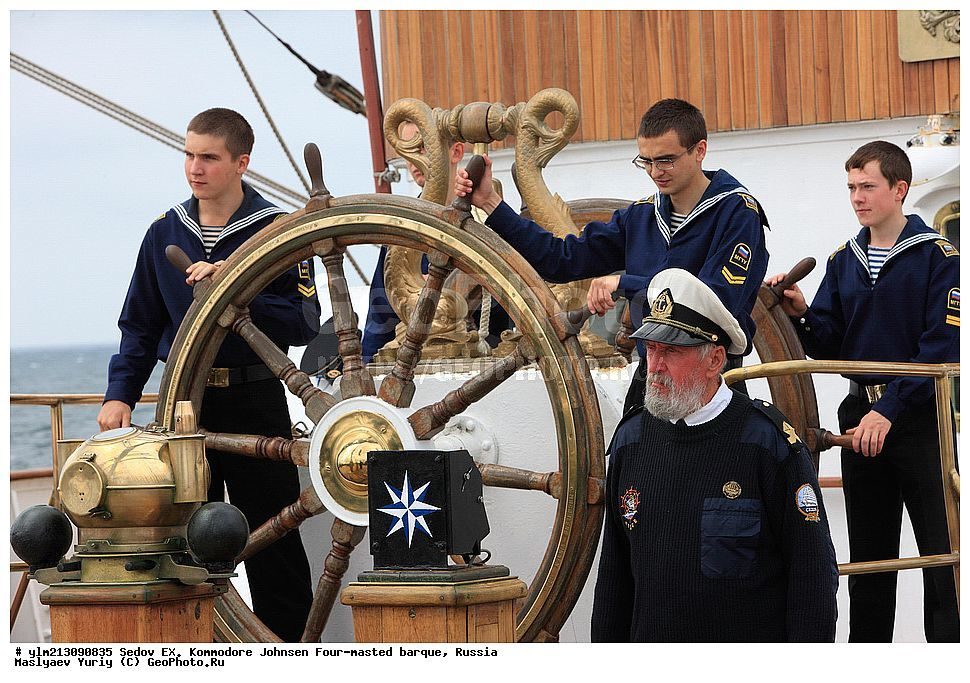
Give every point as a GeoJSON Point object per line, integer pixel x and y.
{"type": "Point", "coordinates": [409, 509]}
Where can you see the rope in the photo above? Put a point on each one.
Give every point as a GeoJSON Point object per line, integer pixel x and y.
{"type": "Point", "coordinates": [266, 186]}
{"type": "Point", "coordinates": [486, 314]}
{"type": "Point", "coordinates": [139, 123]}
{"type": "Point", "coordinates": [259, 99]}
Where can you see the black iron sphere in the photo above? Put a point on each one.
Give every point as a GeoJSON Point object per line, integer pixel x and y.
{"type": "Point", "coordinates": [217, 533]}
{"type": "Point", "coordinates": [40, 536]}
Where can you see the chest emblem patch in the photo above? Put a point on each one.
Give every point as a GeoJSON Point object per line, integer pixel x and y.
{"type": "Point", "coordinates": [629, 505]}
{"type": "Point", "coordinates": [741, 256]}
{"type": "Point", "coordinates": [807, 502]}
{"type": "Point", "coordinates": [731, 489]}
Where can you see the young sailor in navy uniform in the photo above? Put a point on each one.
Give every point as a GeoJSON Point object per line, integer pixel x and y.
{"type": "Point", "coordinates": [715, 529]}
{"type": "Point", "coordinates": [222, 213]}
{"type": "Point", "coordinates": [892, 293]}
{"type": "Point", "coordinates": [704, 222]}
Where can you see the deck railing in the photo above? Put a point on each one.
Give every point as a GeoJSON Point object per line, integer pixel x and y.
{"type": "Point", "coordinates": [942, 374]}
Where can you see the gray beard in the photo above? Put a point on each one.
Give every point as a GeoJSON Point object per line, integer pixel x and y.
{"type": "Point", "coordinates": [678, 403]}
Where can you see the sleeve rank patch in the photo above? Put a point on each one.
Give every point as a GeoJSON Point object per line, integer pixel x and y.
{"type": "Point", "coordinates": [741, 256]}
{"type": "Point", "coordinates": [781, 422]}
{"type": "Point", "coordinates": [731, 278]}
{"type": "Point", "coordinates": [652, 199]}
{"type": "Point", "coordinates": [947, 248]}
{"type": "Point", "coordinates": [807, 502]}
{"type": "Point", "coordinates": [749, 201]}
{"type": "Point", "coordinates": [953, 307]}
{"type": "Point", "coordinates": [308, 289]}
{"type": "Point", "coordinates": [841, 247]}
{"type": "Point", "coordinates": [304, 270]}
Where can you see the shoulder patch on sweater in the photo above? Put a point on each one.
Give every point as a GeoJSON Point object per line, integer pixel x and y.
{"type": "Point", "coordinates": [615, 444]}
{"type": "Point", "coordinates": [807, 502]}
{"type": "Point", "coordinates": [953, 307]}
{"type": "Point", "coordinates": [749, 202]}
{"type": "Point", "coordinates": [160, 218]}
{"type": "Point", "coordinates": [647, 200]}
{"type": "Point", "coordinates": [840, 248]}
{"type": "Point", "coordinates": [947, 248]}
{"type": "Point", "coordinates": [781, 422]}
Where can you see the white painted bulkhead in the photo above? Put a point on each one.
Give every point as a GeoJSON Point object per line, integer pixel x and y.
{"type": "Point", "coordinates": [798, 176]}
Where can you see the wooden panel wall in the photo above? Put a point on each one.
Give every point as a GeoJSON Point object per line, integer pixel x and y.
{"type": "Point", "coordinates": [744, 69]}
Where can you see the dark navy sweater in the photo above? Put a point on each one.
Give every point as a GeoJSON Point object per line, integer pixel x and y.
{"type": "Point", "coordinates": [911, 313]}
{"type": "Point", "coordinates": [713, 533]}
{"type": "Point", "coordinates": [721, 241]}
{"type": "Point", "coordinates": [287, 310]}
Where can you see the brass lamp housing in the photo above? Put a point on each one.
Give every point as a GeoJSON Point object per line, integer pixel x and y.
{"type": "Point", "coordinates": [134, 485]}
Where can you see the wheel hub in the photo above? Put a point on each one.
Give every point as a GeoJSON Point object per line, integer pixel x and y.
{"type": "Point", "coordinates": [339, 447]}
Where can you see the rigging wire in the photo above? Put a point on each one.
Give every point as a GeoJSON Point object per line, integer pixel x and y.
{"type": "Point", "coordinates": [276, 132]}
{"type": "Point", "coordinates": [265, 185]}
{"type": "Point", "coordinates": [259, 100]}
{"type": "Point", "coordinates": [141, 124]}
{"type": "Point", "coordinates": [331, 85]}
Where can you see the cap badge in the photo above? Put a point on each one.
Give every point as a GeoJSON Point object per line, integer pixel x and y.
{"type": "Point", "coordinates": [731, 489]}
{"type": "Point", "coordinates": [663, 305]}
{"type": "Point", "coordinates": [807, 502]}
{"type": "Point", "coordinates": [629, 505]}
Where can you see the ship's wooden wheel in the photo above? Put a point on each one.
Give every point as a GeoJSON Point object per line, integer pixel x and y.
{"type": "Point", "coordinates": [453, 240]}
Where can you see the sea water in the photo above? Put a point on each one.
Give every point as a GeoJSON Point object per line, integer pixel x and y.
{"type": "Point", "coordinates": [64, 370]}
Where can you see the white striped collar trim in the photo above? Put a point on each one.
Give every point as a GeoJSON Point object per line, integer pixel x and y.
{"type": "Point", "coordinates": [696, 211]}
{"type": "Point", "coordinates": [242, 223]}
{"type": "Point", "coordinates": [863, 256]}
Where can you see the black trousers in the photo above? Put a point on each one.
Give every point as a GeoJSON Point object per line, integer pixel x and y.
{"type": "Point", "coordinates": [907, 471]}
{"type": "Point", "coordinates": [634, 395]}
{"type": "Point", "coordinates": [279, 576]}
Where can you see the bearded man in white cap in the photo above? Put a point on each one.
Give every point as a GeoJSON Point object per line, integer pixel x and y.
{"type": "Point", "coordinates": [715, 529]}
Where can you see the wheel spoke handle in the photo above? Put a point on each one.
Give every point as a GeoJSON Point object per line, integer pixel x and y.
{"type": "Point", "coordinates": [476, 169]}
{"type": "Point", "coordinates": [288, 519]}
{"type": "Point", "coordinates": [797, 272]}
{"type": "Point", "coordinates": [825, 440]}
{"type": "Point", "coordinates": [316, 401]}
{"type": "Point", "coordinates": [571, 322]}
{"type": "Point", "coordinates": [181, 261]}
{"type": "Point", "coordinates": [356, 380]}
{"type": "Point", "coordinates": [398, 387]}
{"type": "Point", "coordinates": [431, 419]}
{"type": "Point", "coordinates": [279, 448]}
{"type": "Point", "coordinates": [345, 539]}
{"type": "Point", "coordinates": [548, 482]}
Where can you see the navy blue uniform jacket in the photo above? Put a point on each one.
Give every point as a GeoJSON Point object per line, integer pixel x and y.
{"type": "Point", "coordinates": [721, 241]}
{"type": "Point", "coordinates": [287, 310]}
{"type": "Point", "coordinates": [911, 313]}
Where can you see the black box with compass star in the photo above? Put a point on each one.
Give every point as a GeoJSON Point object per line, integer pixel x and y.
{"type": "Point", "coordinates": [423, 507]}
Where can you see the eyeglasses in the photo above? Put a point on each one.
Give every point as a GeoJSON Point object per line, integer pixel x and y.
{"type": "Point", "coordinates": [664, 164]}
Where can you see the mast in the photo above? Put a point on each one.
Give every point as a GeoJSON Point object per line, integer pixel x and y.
{"type": "Point", "coordinates": [372, 100]}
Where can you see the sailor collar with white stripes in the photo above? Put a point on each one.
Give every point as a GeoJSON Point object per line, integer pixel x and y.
{"type": "Point", "coordinates": [703, 205]}
{"type": "Point", "coordinates": [913, 233]}
{"type": "Point", "coordinates": [246, 215]}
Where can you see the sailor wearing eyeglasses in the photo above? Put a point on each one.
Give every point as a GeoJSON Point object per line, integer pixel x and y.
{"type": "Point", "coordinates": [704, 222]}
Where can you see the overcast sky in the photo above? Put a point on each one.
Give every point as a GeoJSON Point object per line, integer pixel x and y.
{"type": "Point", "coordinates": [84, 188]}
